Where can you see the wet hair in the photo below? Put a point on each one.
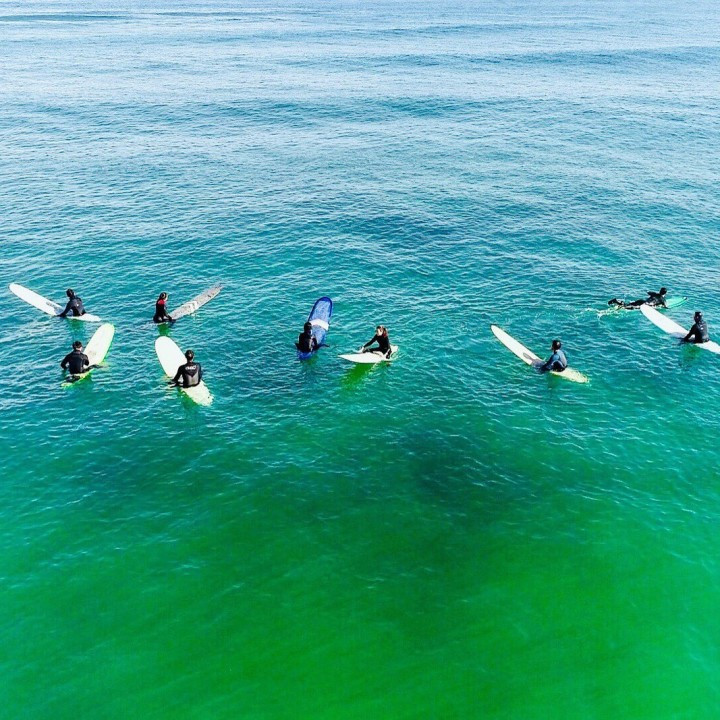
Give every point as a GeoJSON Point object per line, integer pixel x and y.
{"type": "Point", "coordinates": [698, 315]}
{"type": "Point", "coordinates": [163, 296]}
{"type": "Point", "coordinates": [307, 327]}
{"type": "Point", "coordinates": [663, 291]}
{"type": "Point", "coordinates": [189, 354]}
{"type": "Point", "coordinates": [70, 293]}
{"type": "Point", "coordinates": [381, 329]}
{"type": "Point", "coordinates": [77, 345]}
{"type": "Point", "coordinates": [556, 344]}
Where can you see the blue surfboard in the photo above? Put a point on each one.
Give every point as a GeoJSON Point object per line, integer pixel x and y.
{"type": "Point", "coordinates": [319, 318]}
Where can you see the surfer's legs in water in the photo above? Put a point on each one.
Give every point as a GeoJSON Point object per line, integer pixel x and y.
{"type": "Point", "coordinates": [623, 304]}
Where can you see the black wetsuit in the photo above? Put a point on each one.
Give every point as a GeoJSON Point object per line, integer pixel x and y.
{"type": "Point", "coordinates": [76, 362]}
{"type": "Point", "coordinates": [654, 299]}
{"type": "Point", "coordinates": [161, 314]}
{"type": "Point", "coordinates": [190, 374]}
{"type": "Point", "coordinates": [698, 333]}
{"type": "Point", "coordinates": [384, 345]}
{"type": "Point", "coordinates": [74, 307]}
{"type": "Point", "coordinates": [306, 342]}
{"type": "Point", "coordinates": [557, 362]}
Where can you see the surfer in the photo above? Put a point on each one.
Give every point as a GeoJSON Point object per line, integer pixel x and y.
{"type": "Point", "coordinates": [161, 313]}
{"type": "Point", "coordinates": [557, 362]}
{"type": "Point", "coordinates": [306, 341]}
{"type": "Point", "coordinates": [190, 374]}
{"type": "Point", "coordinates": [382, 338]}
{"type": "Point", "coordinates": [74, 305]}
{"type": "Point", "coordinates": [77, 361]}
{"type": "Point", "coordinates": [698, 332]}
{"type": "Point", "coordinates": [654, 299]}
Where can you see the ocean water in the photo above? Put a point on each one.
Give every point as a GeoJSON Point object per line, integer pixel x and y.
{"type": "Point", "coordinates": [448, 536]}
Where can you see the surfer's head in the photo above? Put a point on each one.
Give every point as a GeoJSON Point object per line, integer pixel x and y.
{"type": "Point", "coordinates": [70, 293]}
{"type": "Point", "coordinates": [307, 327]}
{"type": "Point", "coordinates": [663, 291]}
{"type": "Point", "coordinates": [189, 355]}
{"type": "Point", "coordinates": [163, 296]}
{"type": "Point", "coordinates": [381, 330]}
{"type": "Point", "coordinates": [698, 316]}
{"type": "Point", "coordinates": [556, 344]}
{"type": "Point", "coordinates": [77, 345]}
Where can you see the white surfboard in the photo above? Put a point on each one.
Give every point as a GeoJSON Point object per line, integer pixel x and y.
{"type": "Point", "coordinates": [370, 358]}
{"type": "Point", "coordinates": [672, 328]}
{"type": "Point", "coordinates": [197, 302]}
{"type": "Point", "coordinates": [47, 306]}
{"type": "Point", "coordinates": [529, 357]}
{"type": "Point", "coordinates": [96, 350]}
{"type": "Point", "coordinates": [171, 357]}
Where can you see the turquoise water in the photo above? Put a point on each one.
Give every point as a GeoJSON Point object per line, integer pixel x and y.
{"type": "Point", "coordinates": [450, 536]}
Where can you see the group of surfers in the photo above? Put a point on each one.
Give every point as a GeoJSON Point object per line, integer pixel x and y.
{"type": "Point", "coordinates": [698, 333]}
{"type": "Point", "coordinates": [190, 373]}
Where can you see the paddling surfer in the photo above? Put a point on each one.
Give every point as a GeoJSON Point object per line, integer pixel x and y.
{"type": "Point", "coordinates": [307, 342]}
{"type": "Point", "coordinates": [654, 299]}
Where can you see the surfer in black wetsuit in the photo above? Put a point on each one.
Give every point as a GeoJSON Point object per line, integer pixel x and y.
{"type": "Point", "coordinates": [190, 374]}
{"type": "Point", "coordinates": [557, 362]}
{"type": "Point", "coordinates": [74, 305]}
{"type": "Point", "coordinates": [161, 313]}
{"type": "Point", "coordinates": [307, 342]}
{"type": "Point", "coordinates": [698, 332]}
{"type": "Point", "coordinates": [382, 338]}
{"type": "Point", "coordinates": [654, 299]}
{"type": "Point", "coordinates": [77, 361]}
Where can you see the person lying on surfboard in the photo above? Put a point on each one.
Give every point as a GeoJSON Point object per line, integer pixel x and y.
{"type": "Point", "coordinates": [306, 340]}
{"type": "Point", "coordinates": [74, 305]}
{"type": "Point", "coordinates": [161, 313]}
{"type": "Point", "coordinates": [77, 361]}
{"type": "Point", "coordinates": [654, 299]}
{"type": "Point", "coordinates": [190, 373]}
{"type": "Point", "coordinates": [382, 339]}
{"type": "Point", "coordinates": [557, 362]}
{"type": "Point", "coordinates": [698, 332]}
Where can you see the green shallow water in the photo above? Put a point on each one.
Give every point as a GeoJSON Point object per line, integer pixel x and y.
{"type": "Point", "coordinates": [450, 536]}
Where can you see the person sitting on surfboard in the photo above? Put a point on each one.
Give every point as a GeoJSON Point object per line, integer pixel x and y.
{"type": "Point", "coordinates": [190, 373]}
{"type": "Point", "coordinates": [74, 305]}
{"type": "Point", "coordinates": [307, 342]}
{"type": "Point", "coordinates": [698, 332]}
{"type": "Point", "coordinates": [161, 314]}
{"type": "Point", "coordinates": [382, 338]}
{"type": "Point", "coordinates": [557, 362]}
{"type": "Point", "coordinates": [654, 299]}
{"type": "Point", "coordinates": [77, 361]}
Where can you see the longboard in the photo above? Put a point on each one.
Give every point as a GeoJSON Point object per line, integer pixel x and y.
{"type": "Point", "coordinates": [671, 302]}
{"type": "Point", "coordinates": [171, 357]}
{"type": "Point", "coordinates": [529, 357]}
{"type": "Point", "coordinates": [197, 302]}
{"type": "Point", "coordinates": [96, 350]}
{"type": "Point", "coordinates": [319, 318]}
{"type": "Point", "coordinates": [672, 328]}
{"type": "Point", "coordinates": [47, 306]}
{"type": "Point", "coordinates": [370, 358]}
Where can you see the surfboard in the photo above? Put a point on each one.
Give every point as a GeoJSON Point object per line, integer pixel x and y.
{"type": "Point", "coordinates": [529, 357]}
{"type": "Point", "coordinates": [671, 302]}
{"type": "Point", "coordinates": [197, 302]}
{"type": "Point", "coordinates": [672, 328]}
{"type": "Point", "coordinates": [171, 357]}
{"type": "Point", "coordinates": [370, 358]}
{"type": "Point", "coordinates": [47, 306]}
{"type": "Point", "coordinates": [319, 318]}
{"type": "Point", "coordinates": [96, 350]}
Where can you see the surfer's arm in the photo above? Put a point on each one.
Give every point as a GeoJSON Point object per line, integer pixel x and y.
{"type": "Point", "coordinates": [86, 360]}
{"type": "Point", "coordinates": [66, 310]}
{"type": "Point", "coordinates": [369, 342]}
{"type": "Point", "coordinates": [178, 375]}
{"type": "Point", "coordinates": [64, 362]}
